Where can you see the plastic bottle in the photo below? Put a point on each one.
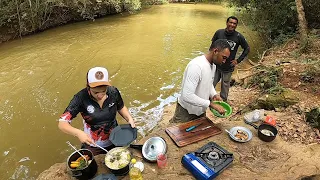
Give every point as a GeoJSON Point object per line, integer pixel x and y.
{"type": "Point", "coordinates": [134, 173]}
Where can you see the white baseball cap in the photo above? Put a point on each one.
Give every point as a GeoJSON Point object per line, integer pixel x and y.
{"type": "Point", "coordinates": [98, 76]}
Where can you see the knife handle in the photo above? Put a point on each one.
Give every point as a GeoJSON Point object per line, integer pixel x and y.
{"type": "Point", "coordinates": [190, 128]}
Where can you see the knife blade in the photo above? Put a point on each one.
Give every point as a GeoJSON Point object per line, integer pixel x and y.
{"type": "Point", "coordinates": [192, 127]}
{"type": "Point", "coordinates": [201, 129]}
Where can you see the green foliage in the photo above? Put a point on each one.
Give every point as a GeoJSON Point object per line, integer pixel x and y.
{"type": "Point", "coordinates": [267, 79]}
{"type": "Point", "coordinates": [276, 20]}
{"type": "Point", "coordinates": [27, 16]}
{"type": "Point", "coordinates": [134, 5]}
{"type": "Point", "coordinates": [313, 118]}
{"type": "Point", "coordinates": [272, 19]}
{"type": "Point", "coordinates": [147, 3]}
{"type": "Point", "coordinates": [311, 8]}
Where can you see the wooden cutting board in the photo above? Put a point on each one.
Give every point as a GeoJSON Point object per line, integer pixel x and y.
{"type": "Point", "coordinates": [182, 138]}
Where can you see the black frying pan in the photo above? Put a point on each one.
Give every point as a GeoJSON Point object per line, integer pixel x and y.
{"type": "Point", "coordinates": [264, 131]}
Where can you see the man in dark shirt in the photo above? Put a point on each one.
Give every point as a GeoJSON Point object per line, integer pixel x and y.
{"type": "Point", "coordinates": [224, 71]}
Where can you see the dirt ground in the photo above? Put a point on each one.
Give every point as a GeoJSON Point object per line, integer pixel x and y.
{"type": "Point", "coordinates": [293, 155]}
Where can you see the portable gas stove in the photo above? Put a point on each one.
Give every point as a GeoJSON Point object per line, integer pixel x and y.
{"type": "Point", "coordinates": [207, 162]}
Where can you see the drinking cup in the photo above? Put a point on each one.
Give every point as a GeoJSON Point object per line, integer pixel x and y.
{"type": "Point", "coordinates": [162, 160]}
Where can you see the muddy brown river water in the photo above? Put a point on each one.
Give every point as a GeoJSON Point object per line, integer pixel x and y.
{"type": "Point", "coordinates": [145, 53]}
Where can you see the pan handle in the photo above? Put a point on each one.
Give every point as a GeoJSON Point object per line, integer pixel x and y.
{"type": "Point", "coordinates": [251, 124]}
{"type": "Point", "coordinates": [134, 146]}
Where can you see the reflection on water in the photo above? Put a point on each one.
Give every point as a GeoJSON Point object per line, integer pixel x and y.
{"type": "Point", "coordinates": [145, 54]}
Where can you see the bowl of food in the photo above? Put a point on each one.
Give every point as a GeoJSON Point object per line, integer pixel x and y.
{"type": "Point", "coordinates": [225, 105]}
{"type": "Point", "coordinates": [118, 160]}
{"type": "Point", "coordinates": [240, 134]}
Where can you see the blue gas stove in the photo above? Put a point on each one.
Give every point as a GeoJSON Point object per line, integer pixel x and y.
{"type": "Point", "coordinates": [207, 162]}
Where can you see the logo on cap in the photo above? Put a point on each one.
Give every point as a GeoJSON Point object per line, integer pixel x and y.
{"type": "Point", "coordinates": [99, 75]}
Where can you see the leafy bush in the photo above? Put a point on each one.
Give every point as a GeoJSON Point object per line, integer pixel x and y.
{"type": "Point", "coordinates": [272, 18]}
{"type": "Point", "coordinates": [267, 79]}
{"type": "Point", "coordinates": [313, 118]}
{"type": "Point", "coordinates": [28, 16]}
{"type": "Point", "coordinates": [311, 9]}
{"type": "Point", "coordinates": [276, 20]}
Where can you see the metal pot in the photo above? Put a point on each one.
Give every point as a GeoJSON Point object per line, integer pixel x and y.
{"type": "Point", "coordinates": [267, 137]}
{"type": "Point", "coordinates": [84, 173]}
{"type": "Point", "coordinates": [151, 148]}
{"type": "Point", "coordinates": [113, 155]}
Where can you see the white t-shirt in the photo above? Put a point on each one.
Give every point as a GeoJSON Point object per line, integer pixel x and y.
{"type": "Point", "coordinates": [197, 86]}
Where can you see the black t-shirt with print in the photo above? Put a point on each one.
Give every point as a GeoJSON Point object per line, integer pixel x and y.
{"type": "Point", "coordinates": [235, 39]}
{"type": "Point", "coordinates": [98, 121]}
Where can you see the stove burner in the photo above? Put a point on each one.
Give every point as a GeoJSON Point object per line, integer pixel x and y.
{"type": "Point", "coordinates": [213, 155]}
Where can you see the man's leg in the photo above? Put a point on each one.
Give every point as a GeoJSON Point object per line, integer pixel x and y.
{"type": "Point", "coordinates": [182, 115]}
{"type": "Point", "coordinates": [225, 85]}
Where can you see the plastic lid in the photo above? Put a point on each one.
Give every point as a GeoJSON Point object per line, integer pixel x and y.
{"type": "Point", "coordinates": [123, 135]}
{"type": "Point", "coordinates": [139, 165]}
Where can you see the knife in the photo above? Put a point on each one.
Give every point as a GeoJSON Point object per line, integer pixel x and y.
{"type": "Point", "coordinates": [201, 129]}
{"type": "Point", "coordinates": [192, 127]}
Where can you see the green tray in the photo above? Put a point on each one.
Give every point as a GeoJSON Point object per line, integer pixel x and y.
{"type": "Point", "coordinates": [226, 106]}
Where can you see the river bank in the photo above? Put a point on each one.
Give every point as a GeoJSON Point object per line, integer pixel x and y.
{"type": "Point", "coordinates": [19, 19]}
{"type": "Point", "coordinates": [293, 154]}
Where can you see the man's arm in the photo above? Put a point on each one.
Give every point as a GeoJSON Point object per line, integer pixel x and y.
{"type": "Point", "coordinates": [245, 46]}
{"type": "Point", "coordinates": [214, 38]}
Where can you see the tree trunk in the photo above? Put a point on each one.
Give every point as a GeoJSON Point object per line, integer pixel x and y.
{"type": "Point", "coordinates": [303, 27]}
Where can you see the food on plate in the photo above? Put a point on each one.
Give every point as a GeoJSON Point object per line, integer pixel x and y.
{"type": "Point", "coordinates": [80, 163]}
{"type": "Point", "coordinates": [117, 158]}
{"type": "Point", "coordinates": [267, 132]}
{"type": "Point", "coordinates": [241, 135]}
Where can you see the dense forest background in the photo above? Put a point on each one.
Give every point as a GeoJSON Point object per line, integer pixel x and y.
{"type": "Point", "coordinates": [275, 20]}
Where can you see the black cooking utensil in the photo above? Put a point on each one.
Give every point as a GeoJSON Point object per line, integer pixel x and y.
{"type": "Point", "coordinates": [262, 127]}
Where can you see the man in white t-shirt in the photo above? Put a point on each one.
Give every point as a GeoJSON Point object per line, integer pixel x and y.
{"type": "Point", "coordinates": [197, 89]}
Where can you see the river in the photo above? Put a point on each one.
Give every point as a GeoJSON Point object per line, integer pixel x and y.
{"type": "Point", "coordinates": [145, 53]}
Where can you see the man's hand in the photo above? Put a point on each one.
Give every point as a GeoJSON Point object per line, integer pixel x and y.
{"type": "Point", "coordinates": [234, 62]}
{"type": "Point", "coordinates": [217, 107]}
{"type": "Point", "coordinates": [84, 138]}
{"type": "Point", "coordinates": [217, 98]}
